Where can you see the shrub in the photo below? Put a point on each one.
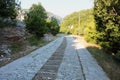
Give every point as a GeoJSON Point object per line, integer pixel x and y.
{"type": "Point", "coordinates": [33, 40]}
{"type": "Point", "coordinates": [36, 20]}
{"type": "Point", "coordinates": [106, 14]}
{"type": "Point", "coordinates": [118, 55]}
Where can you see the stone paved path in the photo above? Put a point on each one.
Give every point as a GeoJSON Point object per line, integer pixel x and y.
{"type": "Point", "coordinates": [25, 68]}
{"type": "Point", "coordinates": [90, 68]}
{"type": "Point", "coordinates": [62, 59]}
{"type": "Point", "coordinates": [70, 68]}
{"type": "Point", "coordinates": [50, 68]}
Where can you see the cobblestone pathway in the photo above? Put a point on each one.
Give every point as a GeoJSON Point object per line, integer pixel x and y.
{"type": "Point", "coordinates": [63, 59]}
{"type": "Point", "coordinates": [90, 68]}
{"type": "Point", "coordinates": [70, 68]}
{"type": "Point", "coordinates": [50, 68]}
{"type": "Point", "coordinates": [25, 68]}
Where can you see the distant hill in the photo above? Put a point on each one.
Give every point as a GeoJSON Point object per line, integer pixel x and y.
{"type": "Point", "coordinates": [50, 15]}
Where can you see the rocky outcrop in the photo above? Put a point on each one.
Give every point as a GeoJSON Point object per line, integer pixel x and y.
{"type": "Point", "coordinates": [13, 32]}
{"type": "Point", "coordinates": [10, 35]}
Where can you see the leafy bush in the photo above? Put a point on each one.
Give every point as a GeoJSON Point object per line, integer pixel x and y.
{"type": "Point", "coordinates": [106, 15]}
{"type": "Point", "coordinates": [90, 34]}
{"type": "Point", "coordinates": [118, 55]}
{"type": "Point", "coordinates": [53, 26]}
{"type": "Point", "coordinates": [8, 8]}
{"type": "Point", "coordinates": [36, 20]}
{"type": "Point", "coordinates": [76, 22]}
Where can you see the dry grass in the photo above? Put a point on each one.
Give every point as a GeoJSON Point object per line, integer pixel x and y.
{"type": "Point", "coordinates": [109, 64]}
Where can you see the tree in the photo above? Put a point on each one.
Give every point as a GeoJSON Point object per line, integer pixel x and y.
{"type": "Point", "coordinates": [54, 26]}
{"type": "Point", "coordinates": [107, 17]}
{"type": "Point", "coordinates": [77, 22]}
{"type": "Point", "coordinates": [36, 20]}
{"type": "Point", "coordinates": [69, 24]}
{"type": "Point", "coordinates": [8, 9]}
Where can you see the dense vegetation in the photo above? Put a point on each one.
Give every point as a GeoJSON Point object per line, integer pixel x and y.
{"type": "Point", "coordinates": [8, 8]}
{"type": "Point", "coordinates": [37, 23]}
{"type": "Point", "coordinates": [8, 11]}
{"type": "Point", "coordinates": [36, 20]}
{"type": "Point", "coordinates": [100, 25]}
{"type": "Point", "coordinates": [80, 23]}
{"type": "Point", "coordinates": [53, 26]}
{"type": "Point", "coordinates": [77, 22]}
{"type": "Point", "coordinates": [107, 17]}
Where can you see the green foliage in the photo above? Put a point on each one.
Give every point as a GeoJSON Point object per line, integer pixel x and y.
{"type": "Point", "coordinates": [90, 34]}
{"type": "Point", "coordinates": [8, 12]}
{"type": "Point", "coordinates": [107, 17]}
{"type": "Point", "coordinates": [33, 40]}
{"type": "Point", "coordinates": [8, 9]}
{"type": "Point", "coordinates": [53, 26]}
{"type": "Point", "coordinates": [36, 20]}
{"type": "Point", "coordinates": [77, 22]}
{"type": "Point", "coordinates": [118, 55]}
{"type": "Point", "coordinates": [69, 23]}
